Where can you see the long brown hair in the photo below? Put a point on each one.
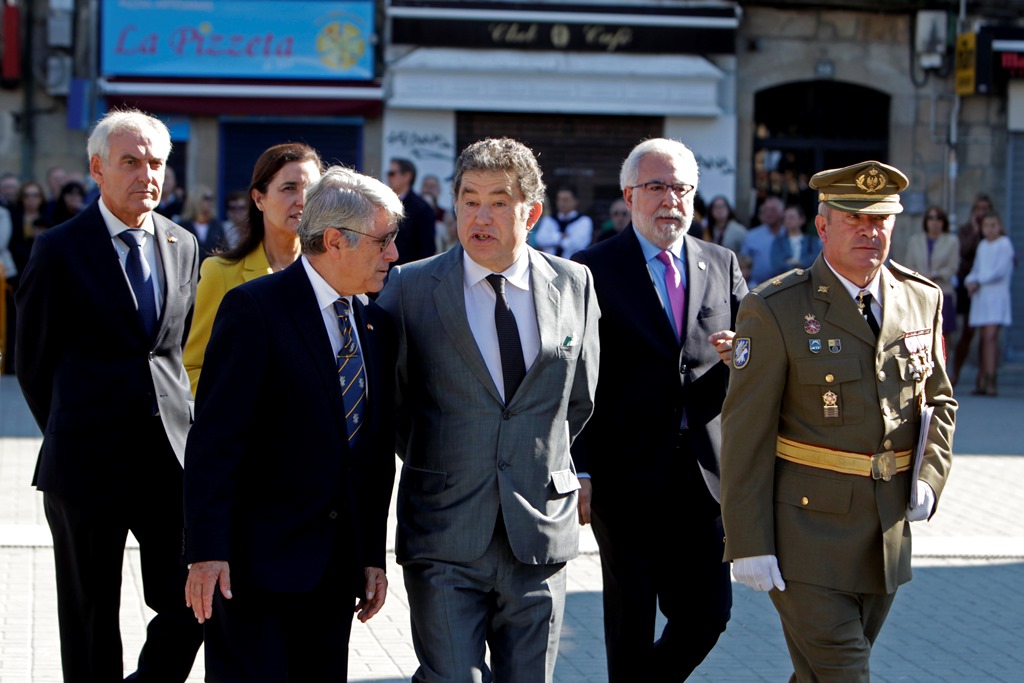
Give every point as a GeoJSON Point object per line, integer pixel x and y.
{"type": "Point", "coordinates": [267, 166]}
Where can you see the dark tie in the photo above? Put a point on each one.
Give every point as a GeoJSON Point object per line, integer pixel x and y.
{"type": "Point", "coordinates": [864, 304]}
{"type": "Point", "coordinates": [351, 375]}
{"type": "Point", "coordinates": [513, 367]}
{"type": "Point", "coordinates": [141, 278]}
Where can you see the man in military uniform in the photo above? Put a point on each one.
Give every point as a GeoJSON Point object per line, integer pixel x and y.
{"type": "Point", "coordinates": [833, 369]}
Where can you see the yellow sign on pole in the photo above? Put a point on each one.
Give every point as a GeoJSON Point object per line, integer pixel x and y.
{"type": "Point", "coordinates": [966, 63]}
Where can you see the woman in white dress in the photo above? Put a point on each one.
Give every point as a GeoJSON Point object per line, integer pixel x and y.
{"type": "Point", "coordinates": [988, 284]}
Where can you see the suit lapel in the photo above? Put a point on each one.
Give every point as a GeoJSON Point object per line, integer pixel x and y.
{"type": "Point", "coordinates": [305, 315]}
{"type": "Point", "coordinates": [450, 303]}
{"type": "Point", "coordinates": [894, 310]}
{"type": "Point", "coordinates": [255, 264]}
{"type": "Point", "coordinates": [547, 304]}
{"type": "Point", "coordinates": [369, 348]}
{"type": "Point", "coordinates": [696, 282]}
{"type": "Point", "coordinates": [636, 284]}
{"type": "Point", "coordinates": [170, 257]}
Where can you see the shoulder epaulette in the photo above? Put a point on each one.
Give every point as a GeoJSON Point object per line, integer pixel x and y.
{"type": "Point", "coordinates": [781, 282]}
{"type": "Point", "coordinates": [897, 269]}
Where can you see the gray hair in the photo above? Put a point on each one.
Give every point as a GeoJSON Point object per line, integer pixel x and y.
{"type": "Point", "coordinates": [343, 198]}
{"type": "Point", "coordinates": [506, 155]}
{"type": "Point", "coordinates": [630, 173]}
{"type": "Point", "coordinates": [128, 121]}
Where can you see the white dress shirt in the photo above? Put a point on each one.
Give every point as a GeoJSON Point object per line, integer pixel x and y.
{"type": "Point", "coordinates": [325, 298]}
{"type": "Point", "coordinates": [480, 299]}
{"type": "Point", "coordinates": [149, 252]}
{"type": "Point", "coordinates": [874, 287]}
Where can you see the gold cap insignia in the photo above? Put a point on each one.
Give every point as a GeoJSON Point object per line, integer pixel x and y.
{"type": "Point", "coordinates": [872, 181]}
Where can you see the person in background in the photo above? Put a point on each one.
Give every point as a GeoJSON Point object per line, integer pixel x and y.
{"type": "Point", "coordinates": [794, 247]}
{"type": "Point", "coordinates": [618, 219]}
{"type": "Point", "coordinates": [969, 235]}
{"type": "Point", "coordinates": [759, 240]}
{"type": "Point", "coordinates": [417, 230]}
{"type": "Point", "coordinates": [200, 219]}
{"type": "Point", "coordinates": [935, 253]}
{"type": "Point", "coordinates": [988, 285]}
{"type": "Point", "coordinates": [9, 186]}
{"type": "Point", "coordinates": [172, 201]}
{"type": "Point", "coordinates": [277, 195]}
{"type": "Point", "coordinates": [722, 226]}
{"type": "Point", "coordinates": [237, 210]}
{"type": "Point", "coordinates": [568, 231]}
{"type": "Point", "coordinates": [27, 221]}
{"type": "Point", "coordinates": [70, 202]}
{"type": "Point", "coordinates": [444, 221]}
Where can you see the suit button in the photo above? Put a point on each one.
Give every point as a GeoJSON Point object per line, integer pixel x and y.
{"type": "Point", "coordinates": [881, 375]}
{"type": "Point", "coordinates": [502, 465]}
{"type": "Point", "coordinates": [830, 378]}
{"type": "Point", "coordinates": [804, 501]}
{"type": "Point", "coordinates": [887, 444]}
{"type": "Point", "coordinates": [333, 514]}
{"type": "Point", "coordinates": [507, 415]}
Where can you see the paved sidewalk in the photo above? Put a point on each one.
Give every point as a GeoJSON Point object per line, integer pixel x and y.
{"type": "Point", "coordinates": [959, 620]}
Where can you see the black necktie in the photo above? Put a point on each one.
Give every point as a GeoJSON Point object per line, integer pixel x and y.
{"type": "Point", "coordinates": [513, 366]}
{"type": "Point", "coordinates": [141, 278]}
{"type": "Point", "coordinates": [864, 304]}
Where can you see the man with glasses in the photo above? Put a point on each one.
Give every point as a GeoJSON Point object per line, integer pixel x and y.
{"type": "Point", "coordinates": [290, 462]}
{"type": "Point", "coordinates": [651, 449]}
{"type": "Point", "coordinates": [497, 362]}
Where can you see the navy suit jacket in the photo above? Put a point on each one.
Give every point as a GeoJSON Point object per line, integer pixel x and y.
{"type": "Point", "coordinates": [646, 377]}
{"type": "Point", "coordinates": [271, 485]}
{"type": "Point", "coordinates": [84, 361]}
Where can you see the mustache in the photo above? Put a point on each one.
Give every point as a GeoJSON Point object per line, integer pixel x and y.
{"type": "Point", "coordinates": [674, 214]}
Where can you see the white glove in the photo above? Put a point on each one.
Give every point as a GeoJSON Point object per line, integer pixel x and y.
{"type": "Point", "coordinates": [760, 573]}
{"type": "Point", "coordinates": [925, 503]}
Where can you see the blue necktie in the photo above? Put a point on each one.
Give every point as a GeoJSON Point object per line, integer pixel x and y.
{"type": "Point", "coordinates": [141, 278]}
{"type": "Point", "coordinates": [510, 346]}
{"type": "Point", "coordinates": [351, 374]}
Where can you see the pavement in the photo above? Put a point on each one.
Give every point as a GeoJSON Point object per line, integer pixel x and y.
{"type": "Point", "coordinates": [960, 619]}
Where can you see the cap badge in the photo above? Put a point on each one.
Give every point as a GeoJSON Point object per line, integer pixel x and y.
{"type": "Point", "coordinates": [872, 180]}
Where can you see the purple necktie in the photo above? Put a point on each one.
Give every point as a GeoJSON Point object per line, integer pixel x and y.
{"type": "Point", "coordinates": [676, 293]}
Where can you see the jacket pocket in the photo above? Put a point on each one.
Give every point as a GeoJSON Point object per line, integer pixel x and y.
{"type": "Point", "coordinates": [423, 481]}
{"type": "Point", "coordinates": [565, 481]}
{"type": "Point", "coordinates": [819, 494]}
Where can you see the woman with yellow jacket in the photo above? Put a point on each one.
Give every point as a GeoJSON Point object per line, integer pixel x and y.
{"type": "Point", "coordinates": [267, 244]}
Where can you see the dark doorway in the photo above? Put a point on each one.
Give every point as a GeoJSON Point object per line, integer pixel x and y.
{"type": "Point", "coordinates": [802, 128]}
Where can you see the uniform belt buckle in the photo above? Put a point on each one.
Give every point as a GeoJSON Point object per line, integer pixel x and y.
{"type": "Point", "coordinates": [883, 465]}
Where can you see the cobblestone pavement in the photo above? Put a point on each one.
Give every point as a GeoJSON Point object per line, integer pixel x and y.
{"type": "Point", "coordinates": [960, 619]}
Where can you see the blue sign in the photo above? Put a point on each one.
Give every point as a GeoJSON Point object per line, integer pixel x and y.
{"type": "Point", "coordinates": [265, 39]}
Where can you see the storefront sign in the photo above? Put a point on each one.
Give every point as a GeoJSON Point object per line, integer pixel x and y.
{"type": "Point", "coordinates": [634, 28]}
{"type": "Point", "coordinates": [265, 39]}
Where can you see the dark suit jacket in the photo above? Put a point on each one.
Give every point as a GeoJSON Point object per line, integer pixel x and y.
{"type": "Point", "coordinates": [83, 358]}
{"type": "Point", "coordinates": [646, 378]}
{"type": "Point", "coordinates": [271, 485]}
{"type": "Point", "coordinates": [215, 237]}
{"type": "Point", "coordinates": [417, 230]}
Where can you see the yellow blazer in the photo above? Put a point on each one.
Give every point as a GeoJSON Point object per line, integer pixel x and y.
{"type": "Point", "coordinates": [217, 276]}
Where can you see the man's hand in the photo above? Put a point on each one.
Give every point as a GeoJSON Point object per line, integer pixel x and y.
{"type": "Point", "coordinates": [760, 573]}
{"type": "Point", "coordinates": [586, 492]}
{"type": "Point", "coordinates": [722, 341]}
{"type": "Point", "coordinates": [203, 578]}
{"type": "Point", "coordinates": [376, 592]}
{"type": "Point", "coordinates": [925, 503]}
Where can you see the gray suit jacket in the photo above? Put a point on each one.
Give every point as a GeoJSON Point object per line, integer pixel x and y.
{"type": "Point", "coordinates": [465, 453]}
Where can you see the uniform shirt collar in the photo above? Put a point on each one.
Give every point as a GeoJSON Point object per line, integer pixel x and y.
{"type": "Point", "coordinates": [874, 286]}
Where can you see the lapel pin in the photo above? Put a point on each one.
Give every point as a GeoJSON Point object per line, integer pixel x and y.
{"type": "Point", "coordinates": [172, 239]}
{"type": "Point", "coordinates": [822, 289]}
{"type": "Point", "coordinates": [369, 327]}
{"type": "Point", "coordinates": [702, 265]}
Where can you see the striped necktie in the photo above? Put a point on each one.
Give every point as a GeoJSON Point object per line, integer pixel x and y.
{"type": "Point", "coordinates": [351, 373]}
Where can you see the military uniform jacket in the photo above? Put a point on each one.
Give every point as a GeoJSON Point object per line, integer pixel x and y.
{"type": "Point", "coordinates": [805, 338]}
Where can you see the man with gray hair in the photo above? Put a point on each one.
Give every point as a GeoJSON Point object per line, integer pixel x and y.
{"type": "Point", "coordinates": [290, 462]}
{"type": "Point", "coordinates": [103, 306]}
{"type": "Point", "coordinates": [663, 295]}
{"type": "Point", "coordinates": [497, 360]}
